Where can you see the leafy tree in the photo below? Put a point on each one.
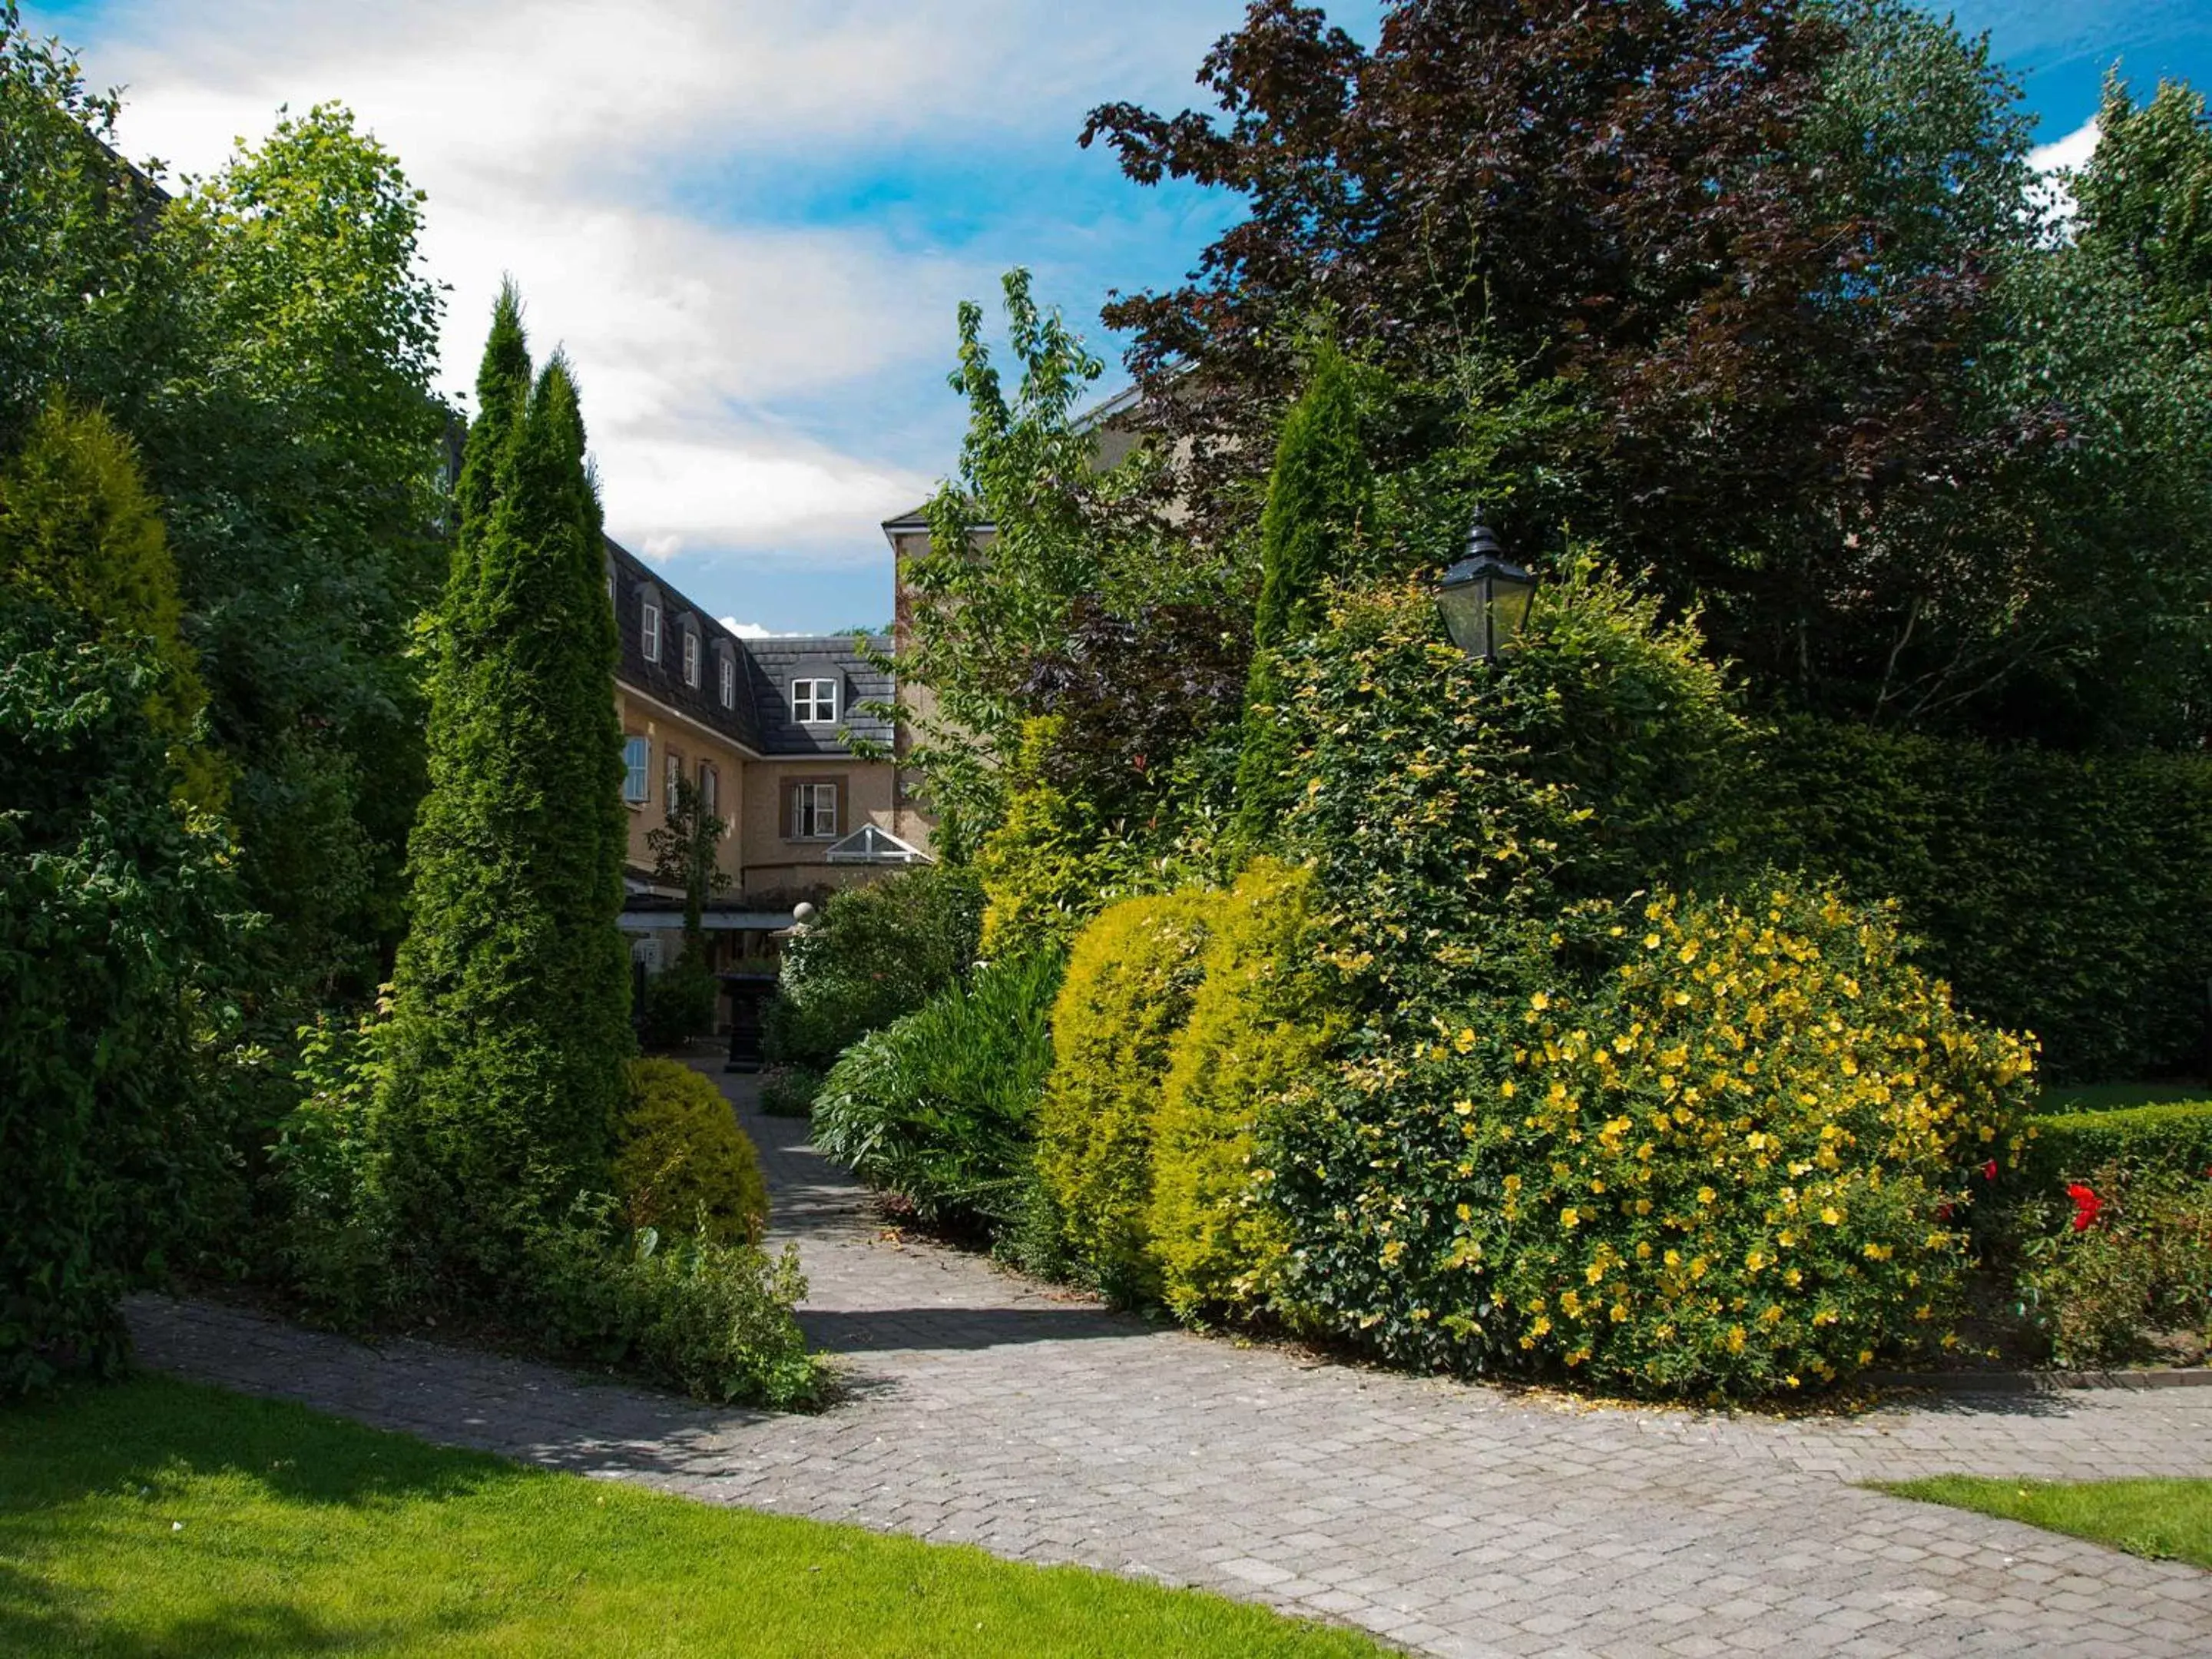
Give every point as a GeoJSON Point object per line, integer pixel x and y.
{"type": "Point", "coordinates": [1743, 290]}
{"type": "Point", "coordinates": [510, 1026]}
{"type": "Point", "coordinates": [2146, 198]}
{"type": "Point", "coordinates": [78, 529]}
{"type": "Point", "coordinates": [686, 853]}
{"type": "Point", "coordinates": [120, 921]}
{"type": "Point", "coordinates": [1030, 527]}
{"type": "Point", "coordinates": [1318, 502]}
{"type": "Point", "coordinates": [267, 338]}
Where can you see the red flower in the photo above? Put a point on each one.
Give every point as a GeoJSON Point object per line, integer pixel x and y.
{"type": "Point", "coordinates": [1942, 1212]}
{"type": "Point", "coordinates": [1989, 1170]}
{"type": "Point", "coordinates": [2086, 1206]}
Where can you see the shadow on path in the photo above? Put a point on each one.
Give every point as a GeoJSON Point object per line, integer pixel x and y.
{"type": "Point", "coordinates": [878, 1329]}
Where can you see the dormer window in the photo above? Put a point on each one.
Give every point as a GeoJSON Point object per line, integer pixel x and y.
{"type": "Point", "coordinates": [690, 656]}
{"type": "Point", "coordinates": [729, 667]}
{"type": "Point", "coordinates": [814, 703]}
{"type": "Point", "coordinates": [649, 634]}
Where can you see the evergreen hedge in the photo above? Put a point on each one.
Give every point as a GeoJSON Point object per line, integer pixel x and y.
{"type": "Point", "coordinates": [2066, 1147]}
{"type": "Point", "coordinates": [2058, 893]}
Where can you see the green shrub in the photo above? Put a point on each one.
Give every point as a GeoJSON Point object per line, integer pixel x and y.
{"type": "Point", "coordinates": [1261, 1024]}
{"type": "Point", "coordinates": [875, 953]}
{"type": "Point", "coordinates": [710, 1318]}
{"type": "Point", "coordinates": [1733, 1164]}
{"type": "Point", "coordinates": [2137, 1265]}
{"type": "Point", "coordinates": [1469, 821]}
{"type": "Point", "coordinates": [789, 1090]}
{"type": "Point", "coordinates": [1131, 975]}
{"type": "Point", "coordinates": [1047, 865]}
{"type": "Point", "coordinates": [940, 1107]}
{"type": "Point", "coordinates": [120, 943]}
{"type": "Point", "coordinates": [679, 1003]}
{"type": "Point", "coordinates": [2067, 1145]}
{"type": "Point", "coordinates": [332, 1224]}
{"type": "Point", "coordinates": [2056, 892]}
{"type": "Point", "coordinates": [681, 1164]}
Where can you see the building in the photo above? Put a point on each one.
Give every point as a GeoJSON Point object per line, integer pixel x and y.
{"type": "Point", "coordinates": [788, 742]}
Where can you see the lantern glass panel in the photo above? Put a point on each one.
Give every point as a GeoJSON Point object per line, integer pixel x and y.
{"type": "Point", "coordinates": [1464, 604]}
{"type": "Point", "coordinates": [1509, 608]}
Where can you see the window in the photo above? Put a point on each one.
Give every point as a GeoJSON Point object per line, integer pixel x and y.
{"type": "Point", "coordinates": [814, 703]}
{"type": "Point", "coordinates": [672, 774]}
{"type": "Point", "coordinates": [637, 757]}
{"type": "Point", "coordinates": [710, 790]}
{"type": "Point", "coordinates": [690, 656]}
{"type": "Point", "coordinates": [651, 636]}
{"type": "Point", "coordinates": [729, 680]}
{"type": "Point", "coordinates": [813, 812]}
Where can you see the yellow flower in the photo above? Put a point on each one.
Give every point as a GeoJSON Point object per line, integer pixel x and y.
{"type": "Point", "coordinates": [1507, 1090]}
{"type": "Point", "coordinates": [1706, 1194]}
{"type": "Point", "coordinates": [1570, 1216]}
{"type": "Point", "coordinates": [1465, 1041]}
{"type": "Point", "coordinates": [1651, 941]}
{"type": "Point", "coordinates": [1595, 1272]}
{"type": "Point", "coordinates": [1672, 1258]}
{"type": "Point", "coordinates": [1539, 1002]}
{"type": "Point", "coordinates": [1832, 1216]}
{"type": "Point", "coordinates": [1756, 1260]}
{"type": "Point", "coordinates": [1513, 1184]}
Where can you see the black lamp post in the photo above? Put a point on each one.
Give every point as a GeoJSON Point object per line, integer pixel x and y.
{"type": "Point", "coordinates": [1484, 597]}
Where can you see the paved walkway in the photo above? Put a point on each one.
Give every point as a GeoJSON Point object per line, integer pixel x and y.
{"type": "Point", "coordinates": [1450, 1519]}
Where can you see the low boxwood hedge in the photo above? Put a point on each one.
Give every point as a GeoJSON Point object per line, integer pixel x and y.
{"type": "Point", "coordinates": [2070, 1145]}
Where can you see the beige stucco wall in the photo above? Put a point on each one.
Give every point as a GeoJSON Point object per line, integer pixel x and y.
{"type": "Point", "coordinates": [773, 862]}
{"type": "Point", "coordinates": [694, 743]}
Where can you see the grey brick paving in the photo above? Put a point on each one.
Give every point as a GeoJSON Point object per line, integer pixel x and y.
{"type": "Point", "coordinates": [1447, 1518]}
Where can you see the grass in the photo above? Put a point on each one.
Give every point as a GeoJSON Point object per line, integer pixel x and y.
{"type": "Point", "coordinates": [2111, 1096]}
{"type": "Point", "coordinates": [158, 1517]}
{"type": "Point", "coordinates": [2165, 1520]}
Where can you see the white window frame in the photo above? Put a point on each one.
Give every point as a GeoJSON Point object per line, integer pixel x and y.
{"type": "Point", "coordinates": [710, 789]}
{"type": "Point", "coordinates": [810, 697]}
{"type": "Point", "coordinates": [672, 774]}
{"type": "Point", "coordinates": [650, 627]}
{"type": "Point", "coordinates": [690, 656]}
{"type": "Point", "coordinates": [728, 664]}
{"type": "Point", "coordinates": [637, 770]}
{"type": "Point", "coordinates": [808, 810]}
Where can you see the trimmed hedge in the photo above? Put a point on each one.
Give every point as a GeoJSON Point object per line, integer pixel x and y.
{"type": "Point", "coordinates": [1131, 977]}
{"type": "Point", "coordinates": [1260, 1025]}
{"type": "Point", "coordinates": [2072, 1146]}
{"type": "Point", "coordinates": [2058, 893]}
{"type": "Point", "coordinates": [681, 1164]}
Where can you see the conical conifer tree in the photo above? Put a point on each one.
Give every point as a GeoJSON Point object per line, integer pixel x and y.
{"type": "Point", "coordinates": [1319, 499]}
{"type": "Point", "coordinates": [511, 1019]}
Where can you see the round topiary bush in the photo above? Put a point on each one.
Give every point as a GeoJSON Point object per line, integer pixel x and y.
{"type": "Point", "coordinates": [1261, 1024]}
{"type": "Point", "coordinates": [1130, 978]}
{"type": "Point", "coordinates": [683, 1163]}
{"type": "Point", "coordinates": [1733, 1164]}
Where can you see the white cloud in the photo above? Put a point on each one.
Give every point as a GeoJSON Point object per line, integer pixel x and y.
{"type": "Point", "coordinates": [2072, 151]}
{"type": "Point", "coordinates": [751, 631]}
{"type": "Point", "coordinates": [553, 135]}
{"type": "Point", "coordinates": [2053, 162]}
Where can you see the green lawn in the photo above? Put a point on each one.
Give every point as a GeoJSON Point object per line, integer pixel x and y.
{"type": "Point", "coordinates": [2168, 1520]}
{"type": "Point", "coordinates": [156, 1517]}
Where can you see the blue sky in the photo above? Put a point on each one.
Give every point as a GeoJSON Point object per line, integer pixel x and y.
{"type": "Point", "coordinates": [750, 221]}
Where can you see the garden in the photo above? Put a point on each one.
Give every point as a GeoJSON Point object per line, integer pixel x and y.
{"type": "Point", "coordinates": [1609, 791]}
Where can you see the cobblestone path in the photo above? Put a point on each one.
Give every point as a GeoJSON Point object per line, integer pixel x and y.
{"type": "Point", "coordinates": [1450, 1519]}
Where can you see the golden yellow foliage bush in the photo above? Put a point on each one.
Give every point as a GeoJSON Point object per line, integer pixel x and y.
{"type": "Point", "coordinates": [683, 1162]}
{"type": "Point", "coordinates": [1259, 1026]}
{"type": "Point", "coordinates": [1131, 975]}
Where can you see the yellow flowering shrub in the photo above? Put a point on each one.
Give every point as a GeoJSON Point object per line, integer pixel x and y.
{"type": "Point", "coordinates": [1735, 1164]}
{"type": "Point", "coordinates": [1131, 975]}
{"type": "Point", "coordinates": [1259, 1026]}
{"type": "Point", "coordinates": [681, 1161]}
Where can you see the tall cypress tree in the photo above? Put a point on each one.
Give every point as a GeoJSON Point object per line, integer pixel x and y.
{"type": "Point", "coordinates": [1320, 497]}
{"type": "Point", "coordinates": [511, 1019]}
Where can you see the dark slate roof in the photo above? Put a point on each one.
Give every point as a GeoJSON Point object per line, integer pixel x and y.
{"type": "Point", "coordinates": [761, 720]}
{"type": "Point", "coordinates": [775, 663]}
